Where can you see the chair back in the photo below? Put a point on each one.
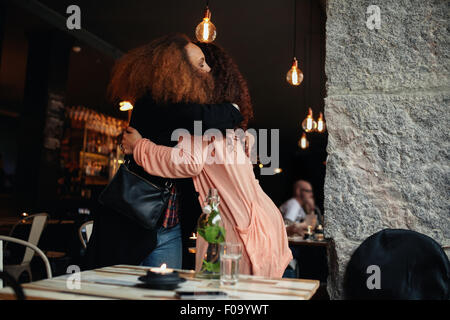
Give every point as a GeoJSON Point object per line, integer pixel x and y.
{"type": "Point", "coordinates": [38, 223]}
{"type": "Point", "coordinates": [398, 264]}
{"type": "Point", "coordinates": [33, 249]}
{"type": "Point", "coordinates": [87, 226]}
{"type": "Point", "coordinates": [18, 291]}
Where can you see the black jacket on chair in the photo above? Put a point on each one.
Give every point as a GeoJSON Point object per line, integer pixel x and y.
{"type": "Point", "coordinates": [118, 240]}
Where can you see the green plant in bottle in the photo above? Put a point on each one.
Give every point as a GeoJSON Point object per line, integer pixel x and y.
{"type": "Point", "coordinates": [210, 227]}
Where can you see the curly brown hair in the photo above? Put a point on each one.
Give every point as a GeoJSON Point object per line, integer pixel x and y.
{"type": "Point", "coordinates": [161, 68]}
{"type": "Point", "coordinates": [229, 84]}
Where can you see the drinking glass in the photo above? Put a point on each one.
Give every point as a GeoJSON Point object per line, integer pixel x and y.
{"type": "Point", "coordinates": [230, 254]}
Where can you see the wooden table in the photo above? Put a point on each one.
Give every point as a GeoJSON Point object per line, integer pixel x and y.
{"type": "Point", "coordinates": [298, 241]}
{"type": "Point", "coordinates": [119, 282]}
{"type": "Point", "coordinates": [7, 223]}
{"type": "Point", "coordinates": [10, 221]}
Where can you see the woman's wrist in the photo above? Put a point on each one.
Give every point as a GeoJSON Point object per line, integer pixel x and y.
{"type": "Point", "coordinates": [139, 141]}
{"type": "Point", "coordinates": [138, 149]}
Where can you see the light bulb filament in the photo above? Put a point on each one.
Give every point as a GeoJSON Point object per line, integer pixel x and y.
{"type": "Point", "coordinates": [205, 29]}
{"type": "Point", "coordinates": [294, 76]}
{"type": "Point", "coordinates": [303, 142]}
{"type": "Point", "coordinates": [320, 123]}
{"type": "Point", "coordinates": [309, 124]}
{"type": "Point", "coordinates": [320, 126]}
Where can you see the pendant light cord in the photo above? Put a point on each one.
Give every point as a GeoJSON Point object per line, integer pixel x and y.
{"type": "Point", "coordinates": [309, 53]}
{"type": "Point", "coordinates": [295, 27]}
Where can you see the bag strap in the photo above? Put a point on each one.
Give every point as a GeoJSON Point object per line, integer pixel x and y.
{"type": "Point", "coordinates": [168, 183]}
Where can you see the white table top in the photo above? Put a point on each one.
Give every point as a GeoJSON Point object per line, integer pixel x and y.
{"type": "Point", "coordinates": [118, 282]}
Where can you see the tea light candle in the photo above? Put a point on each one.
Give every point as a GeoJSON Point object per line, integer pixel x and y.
{"type": "Point", "coordinates": [193, 237]}
{"type": "Point", "coordinates": [161, 278]}
{"type": "Point", "coordinates": [162, 270]}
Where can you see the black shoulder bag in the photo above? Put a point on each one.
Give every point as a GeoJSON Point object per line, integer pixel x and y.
{"type": "Point", "coordinates": [135, 197]}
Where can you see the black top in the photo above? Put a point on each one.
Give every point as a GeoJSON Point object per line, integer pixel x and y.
{"type": "Point", "coordinates": [156, 122]}
{"type": "Point", "coordinates": [115, 238]}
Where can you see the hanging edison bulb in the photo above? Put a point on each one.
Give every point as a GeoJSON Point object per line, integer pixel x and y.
{"type": "Point", "coordinates": [206, 31]}
{"type": "Point", "coordinates": [303, 143]}
{"type": "Point", "coordinates": [321, 124]}
{"type": "Point", "coordinates": [309, 124]}
{"type": "Point", "coordinates": [294, 75]}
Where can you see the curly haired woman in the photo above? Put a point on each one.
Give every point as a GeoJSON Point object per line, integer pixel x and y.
{"type": "Point", "coordinates": [249, 215]}
{"type": "Point", "coordinates": [169, 83]}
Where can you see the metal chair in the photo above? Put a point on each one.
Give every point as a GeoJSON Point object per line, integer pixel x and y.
{"type": "Point", "coordinates": [16, 270]}
{"type": "Point", "coordinates": [88, 225]}
{"type": "Point", "coordinates": [18, 291]}
{"type": "Point", "coordinates": [38, 224]}
{"type": "Point", "coordinates": [39, 221]}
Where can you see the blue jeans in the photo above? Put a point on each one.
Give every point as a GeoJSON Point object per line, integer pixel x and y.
{"type": "Point", "coordinates": [168, 249]}
{"type": "Point", "coordinates": [289, 273]}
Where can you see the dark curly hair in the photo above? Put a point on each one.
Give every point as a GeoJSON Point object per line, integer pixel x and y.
{"type": "Point", "coordinates": [229, 84]}
{"type": "Point", "coordinates": [162, 68]}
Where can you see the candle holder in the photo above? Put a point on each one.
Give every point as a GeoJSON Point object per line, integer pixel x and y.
{"type": "Point", "coordinates": [309, 235]}
{"type": "Point", "coordinates": [160, 281]}
{"type": "Point", "coordinates": [319, 233]}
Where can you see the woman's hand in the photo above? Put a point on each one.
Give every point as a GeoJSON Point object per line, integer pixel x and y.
{"type": "Point", "coordinates": [129, 140]}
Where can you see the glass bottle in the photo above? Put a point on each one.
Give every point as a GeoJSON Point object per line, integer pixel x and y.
{"type": "Point", "coordinates": [210, 228]}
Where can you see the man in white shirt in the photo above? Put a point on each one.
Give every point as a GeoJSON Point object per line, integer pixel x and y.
{"type": "Point", "coordinates": [292, 210]}
{"type": "Point", "coordinates": [296, 219]}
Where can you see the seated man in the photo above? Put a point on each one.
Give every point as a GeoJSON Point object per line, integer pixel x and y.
{"type": "Point", "coordinates": [299, 211]}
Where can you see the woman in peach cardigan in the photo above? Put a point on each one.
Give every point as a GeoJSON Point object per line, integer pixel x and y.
{"type": "Point", "coordinates": [249, 215]}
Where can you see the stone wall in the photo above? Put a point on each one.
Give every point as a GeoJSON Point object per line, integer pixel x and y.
{"type": "Point", "coordinates": [388, 116]}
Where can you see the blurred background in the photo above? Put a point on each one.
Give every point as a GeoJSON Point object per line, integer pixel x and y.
{"type": "Point", "coordinates": [38, 58]}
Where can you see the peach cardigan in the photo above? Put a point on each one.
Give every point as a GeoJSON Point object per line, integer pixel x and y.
{"type": "Point", "coordinates": [249, 215]}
